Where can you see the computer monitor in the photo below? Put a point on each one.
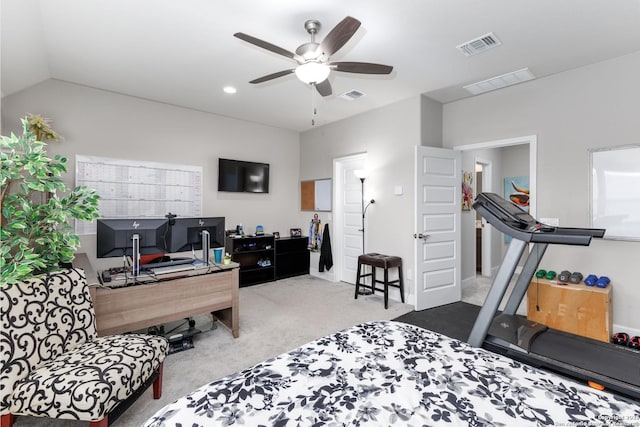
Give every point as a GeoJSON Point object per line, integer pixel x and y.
{"type": "Point", "coordinates": [115, 236]}
{"type": "Point", "coordinates": [186, 233]}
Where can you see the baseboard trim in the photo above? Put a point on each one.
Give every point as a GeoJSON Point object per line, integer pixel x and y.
{"type": "Point", "coordinates": [326, 275]}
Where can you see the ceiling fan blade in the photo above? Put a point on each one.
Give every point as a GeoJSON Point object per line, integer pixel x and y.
{"type": "Point", "coordinates": [339, 36]}
{"type": "Point", "coordinates": [265, 45]}
{"type": "Point", "coordinates": [272, 76]}
{"type": "Point", "coordinates": [324, 87]}
{"type": "Point", "coordinates": [361, 67]}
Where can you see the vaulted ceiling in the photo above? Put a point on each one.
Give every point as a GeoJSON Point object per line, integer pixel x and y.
{"type": "Point", "coordinates": [182, 52]}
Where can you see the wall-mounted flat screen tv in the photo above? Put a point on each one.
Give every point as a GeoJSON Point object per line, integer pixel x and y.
{"type": "Point", "coordinates": [241, 176]}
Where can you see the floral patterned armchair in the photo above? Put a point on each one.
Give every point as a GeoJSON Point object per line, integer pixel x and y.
{"type": "Point", "coordinates": [53, 363]}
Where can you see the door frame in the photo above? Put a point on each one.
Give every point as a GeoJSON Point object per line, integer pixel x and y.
{"type": "Point", "coordinates": [487, 185]}
{"type": "Point", "coordinates": [338, 210]}
{"type": "Point", "coordinates": [532, 140]}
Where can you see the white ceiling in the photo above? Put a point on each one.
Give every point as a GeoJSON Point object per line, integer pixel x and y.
{"type": "Point", "coordinates": [182, 52]}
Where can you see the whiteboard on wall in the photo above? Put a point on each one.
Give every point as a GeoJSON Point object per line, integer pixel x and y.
{"type": "Point", "coordinates": [135, 189]}
{"type": "Point", "coordinates": [615, 191]}
{"type": "Point", "coordinates": [323, 194]}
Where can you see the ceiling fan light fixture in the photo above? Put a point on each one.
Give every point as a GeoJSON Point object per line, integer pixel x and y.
{"type": "Point", "coordinates": [309, 51]}
{"type": "Point", "coordinates": [312, 58]}
{"type": "Point", "coordinates": [312, 72]}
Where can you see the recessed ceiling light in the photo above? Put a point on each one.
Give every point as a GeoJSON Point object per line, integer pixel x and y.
{"type": "Point", "coordinates": [229, 89]}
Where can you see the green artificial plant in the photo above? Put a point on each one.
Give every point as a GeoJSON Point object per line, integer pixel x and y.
{"type": "Point", "coordinates": [37, 237]}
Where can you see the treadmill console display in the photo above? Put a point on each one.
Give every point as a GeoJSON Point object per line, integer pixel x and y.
{"type": "Point", "coordinates": [506, 210]}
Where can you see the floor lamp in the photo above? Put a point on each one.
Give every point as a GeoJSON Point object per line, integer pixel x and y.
{"type": "Point", "coordinates": [362, 175]}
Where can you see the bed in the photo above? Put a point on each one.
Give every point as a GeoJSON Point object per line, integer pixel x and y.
{"type": "Point", "coordinates": [392, 373]}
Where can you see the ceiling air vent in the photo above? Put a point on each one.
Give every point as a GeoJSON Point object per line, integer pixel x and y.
{"type": "Point", "coordinates": [480, 44]}
{"type": "Point", "coordinates": [499, 82]}
{"type": "Point", "coordinates": [352, 95]}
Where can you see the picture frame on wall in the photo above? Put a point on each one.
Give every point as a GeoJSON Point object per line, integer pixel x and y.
{"type": "Point", "coordinates": [467, 190]}
{"type": "Point", "coordinates": [516, 190]}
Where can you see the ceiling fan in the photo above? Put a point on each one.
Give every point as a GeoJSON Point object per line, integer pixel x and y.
{"type": "Point", "coordinates": [314, 65]}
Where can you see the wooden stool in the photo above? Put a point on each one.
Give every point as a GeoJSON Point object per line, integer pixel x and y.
{"type": "Point", "coordinates": [376, 260]}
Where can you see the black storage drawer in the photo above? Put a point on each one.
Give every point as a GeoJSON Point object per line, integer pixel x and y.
{"type": "Point", "coordinates": [292, 257]}
{"type": "Point", "coordinates": [256, 256]}
{"type": "Point", "coordinates": [255, 276]}
{"type": "Point", "coordinates": [291, 244]}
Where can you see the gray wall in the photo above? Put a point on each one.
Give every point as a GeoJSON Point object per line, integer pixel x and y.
{"type": "Point", "coordinates": [100, 123]}
{"type": "Point", "coordinates": [388, 135]}
{"type": "Point", "coordinates": [430, 122]}
{"type": "Point", "coordinates": [590, 107]}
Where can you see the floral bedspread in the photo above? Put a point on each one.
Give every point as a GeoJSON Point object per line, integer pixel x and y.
{"type": "Point", "coordinates": [391, 373]}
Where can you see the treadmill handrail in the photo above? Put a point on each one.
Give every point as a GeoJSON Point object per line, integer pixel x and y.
{"type": "Point", "coordinates": [535, 231]}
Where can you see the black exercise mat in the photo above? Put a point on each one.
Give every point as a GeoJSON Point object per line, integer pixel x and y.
{"type": "Point", "coordinates": [453, 320]}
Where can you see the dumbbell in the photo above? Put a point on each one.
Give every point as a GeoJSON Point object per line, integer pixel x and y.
{"type": "Point", "coordinates": [603, 282]}
{"type": "Point", "coordinates": [575, 277]}
{"type": "Point", "coordinates": [563, 277]}
{"type": "Point", "coordinates": [620, 338]}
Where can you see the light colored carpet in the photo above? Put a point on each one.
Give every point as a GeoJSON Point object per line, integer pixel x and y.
{"type": "Point", "coordinates": [274, 318]}
{"type": "Point", "coordinates": [477, 293]}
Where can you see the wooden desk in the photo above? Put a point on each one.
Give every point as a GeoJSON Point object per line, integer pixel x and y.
{"type": "Point", "coordinates": [136, 307]}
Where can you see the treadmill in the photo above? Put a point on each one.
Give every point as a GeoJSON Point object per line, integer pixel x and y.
{"type": "Point", "coordinates": [609, 365]}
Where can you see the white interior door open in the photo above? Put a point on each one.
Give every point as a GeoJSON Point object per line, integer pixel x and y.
{"type": "Point", "coordinates": [348, 216]}
{"type": "Point", "coordinates": [437, 227]}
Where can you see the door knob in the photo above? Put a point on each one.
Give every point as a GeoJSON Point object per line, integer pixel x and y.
{"type": "Point", "coordinates": [420, 236]}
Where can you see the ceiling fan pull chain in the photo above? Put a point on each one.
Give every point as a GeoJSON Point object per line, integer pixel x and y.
{"type": "Point", "coordinates": [314, 110]}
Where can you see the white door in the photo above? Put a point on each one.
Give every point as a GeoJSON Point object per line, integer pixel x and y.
{"type": "Point", "coordinates": [437, 227]}
{"type": "Point", "coordinates": [348, 216]}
